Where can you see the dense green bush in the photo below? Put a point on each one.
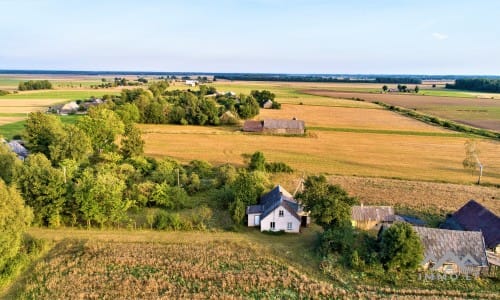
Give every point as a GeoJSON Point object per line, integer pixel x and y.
{"type": "Point", "coordinates": [34, 85]}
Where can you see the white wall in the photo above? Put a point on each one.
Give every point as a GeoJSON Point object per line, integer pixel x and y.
{"type": "Point", "coordinates": [251, 220]}
{"type": "Point", "coordinates": [281, 222]}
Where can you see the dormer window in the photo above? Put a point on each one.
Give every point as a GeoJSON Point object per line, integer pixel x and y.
{"type": "Point", "coordinates": [281, 213]}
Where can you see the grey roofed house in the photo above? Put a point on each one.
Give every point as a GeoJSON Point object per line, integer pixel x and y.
{"type": "Point", "coordinates": [363, 213]}
{"type": "Point", "coordinates": [278, 199]}
{"type": "Point", "coordinates": [439, 243]}
{"type": "Point", "coordinates": [475, 217]}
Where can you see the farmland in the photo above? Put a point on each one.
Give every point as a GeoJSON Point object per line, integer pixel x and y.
{"type": "Point", "coordinates": [482, 113]}
{"type": "Point", "coordinates": [144, 264]}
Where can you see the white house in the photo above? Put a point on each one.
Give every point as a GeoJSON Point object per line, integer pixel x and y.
{"type": "Point", "coordinates": [277, 211]}
{"type": "Point", "coordinates": [268, 104]}
{"type": "Point", "coordinates": [191, 82]}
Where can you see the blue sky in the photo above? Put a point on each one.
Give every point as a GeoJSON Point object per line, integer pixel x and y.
{"type": "Point", "coordinates": [293, 36]}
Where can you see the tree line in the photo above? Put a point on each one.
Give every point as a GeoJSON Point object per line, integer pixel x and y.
{"type": "Point", "coordinates": [157, 105]}
{"type": "Point", "coordinates": [34, 85]}
{"type": "Point", "coordinates": [476, 84]}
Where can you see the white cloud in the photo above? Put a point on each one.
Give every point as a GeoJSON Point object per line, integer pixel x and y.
{"type": "Point", "coordinates": [439, 36]}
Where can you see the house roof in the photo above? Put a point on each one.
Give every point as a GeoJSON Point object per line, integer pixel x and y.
{"type": "Point", "coordinates": [440, 242]}
{"type": "Point", "coordinates": [363, 213]}
{"type": "Point", "coordinates": [475, 217]}
{"type": "Point", "coordinates": [278, 196]}
{"type": "Point", "coordinates": [70, 106]}
{"type": "Point", "coordinates": [254, 126]}
{"type": "Point", "coordinates": [284, 124]}
{"type": "Point", "coordinates": [18, 148]}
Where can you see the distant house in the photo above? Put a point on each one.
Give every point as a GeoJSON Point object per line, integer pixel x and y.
{"type": "Point", "coordinates": [268, 104]}
{"type": "Point", "coordinates": [275, 126]}
{"type": "Point", "coordinates": [228, 118]}
{"type": "Point", "coordinates": [92, 102]}
{"type": "Point", "coordinates": [191, 82]}
{"type": "Point", "coordinates": [453, 251]}
{"type": "Point", "coordinates": [368, 217]}
{"type": "Point", "coordinates": [277, 211]}
{"type": "Point", "coordinates": [475, 217]}
{"type": "Point", "coordinates": [69, 108]}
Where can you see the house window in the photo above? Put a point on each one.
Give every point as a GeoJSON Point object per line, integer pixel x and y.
{"type": "Point", "coordinates": [281, 213]}
{"type": "Point", "coordinates": [289, 226]}
{"type": "Point", "coordinates": [273, 225]}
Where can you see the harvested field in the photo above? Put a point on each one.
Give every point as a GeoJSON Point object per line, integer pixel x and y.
{"type": "Point", "coordinates": [445, 197]}
{"type": "Point", "coordinates": [456, 109]}
{"type": "Point", "coordinates": [7, 120]}
{"type": "Point", "coordinates": [435, 158]}
{"type": "Point", "coordinates": [348, 117]}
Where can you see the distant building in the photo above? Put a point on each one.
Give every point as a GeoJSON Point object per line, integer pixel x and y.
{"type": "Point", "coordinates": [69, 108]}
{"type": "Point", "coordinates": [191, 82]}
{"type": "Point", "coordinates": [277, 211]}
{"type": "Point", "coordinates": [275, 126]}
{"type": "Point", "coordinates": [268, 104]}
{"type": "Point", "coordinates": [475, 217]}
{"type": "Point", "coordinates": [228, 118]}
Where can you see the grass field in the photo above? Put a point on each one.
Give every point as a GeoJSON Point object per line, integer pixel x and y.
{"type": "Point", "coordinates": [482, 113]}
{"type": "Point", "coordinates": [11, 129]}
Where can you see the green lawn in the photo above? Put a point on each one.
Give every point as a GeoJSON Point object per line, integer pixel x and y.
{"type": "Point", "coordinates": [59, 94]}
{"type": "Point", "coordinates": [11, 130]}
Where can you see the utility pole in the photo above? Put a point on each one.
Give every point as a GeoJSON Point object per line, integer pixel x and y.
{"type": "Point", "coordinates": [178, 181]}
{"type": "Point", "coordinates": [480, 169]}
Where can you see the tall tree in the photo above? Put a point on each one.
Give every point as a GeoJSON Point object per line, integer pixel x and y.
{"type": "Point", "coordinates": [132, 143]}
{"type": "Point", "coordinates": [9, 164]}
{"type": "Point", "coordinates": [102, 126]}
{"type": "Point", "coordinates": [15, 218]}
{"type": "Point", "coordinates": [401, 248]}
{"type": "Point", "coordinates": [43, 188]}
{"type": "Point", "coordinates": [329, 204]}
{"type": "Point", "coordinates": [100, 197]}
{"type": "Point", "coordinates": [41, 131]}
{"type": "Point", "coordinates": [73, 144]}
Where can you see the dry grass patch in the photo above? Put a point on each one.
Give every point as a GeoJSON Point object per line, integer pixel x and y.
{"type": "Point", "coordinates": [348, 117]}
{"type": "Point", "coordinates": [7, 120]}
{"type": "Point", "coordinates": [431, 158]}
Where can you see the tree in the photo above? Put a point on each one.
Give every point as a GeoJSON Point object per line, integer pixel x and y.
{"type": "Point", "coordinates": [471, 160]}
{"type": "Point", "coordinates": [73, 144]}
{"type": "Point", "coordinates": [257, 162]}
{"type": "Point", "coordinates": [41, 131]}
{"type": "Point", "coordinates": [102, 126]}
{"type": "Point", "coordinates": [417, 89]}
{"type": "Point", "coordinates": [329, 204]}
{"type": "Point", "coordinates": [263, 96]}
{"type": "Point", "coordinates": [9, 164]}
{"type": "Point", "coordinates": [129, 113]}
{"type": "Point", "coordinates": [100, 197]}
{"type": "Point", "coordinates": [401, 248]}
{"type": "Point", "coordinates": [385, 88]}
{"type": "Point", "coordinates": [248, 107]}
{"type": "Point", "coordinates": [15, 219]}
{"type": "Point", "coordinates": [132, 143]}
{"type": "Point", "coordinates": [43, 188]}
{"type": "Point", "coordinates": [245, 190]}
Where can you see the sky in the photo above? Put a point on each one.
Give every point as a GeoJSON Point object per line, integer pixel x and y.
{"type": "Point", "coordinates": [259, 36]}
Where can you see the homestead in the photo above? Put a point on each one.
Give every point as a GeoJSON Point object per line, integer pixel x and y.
{"type": "Point", "coordinates": [453, 251]}
{"type": "Point", "coordinates": [275, 126]}
{"type": "Point", "coordinates": [277, 211]}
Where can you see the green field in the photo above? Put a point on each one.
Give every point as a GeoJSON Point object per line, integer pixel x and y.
{"type": "Point", "coordinates": [59, 94]}
{"type": "Point", "coordinates": [11, 130]}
